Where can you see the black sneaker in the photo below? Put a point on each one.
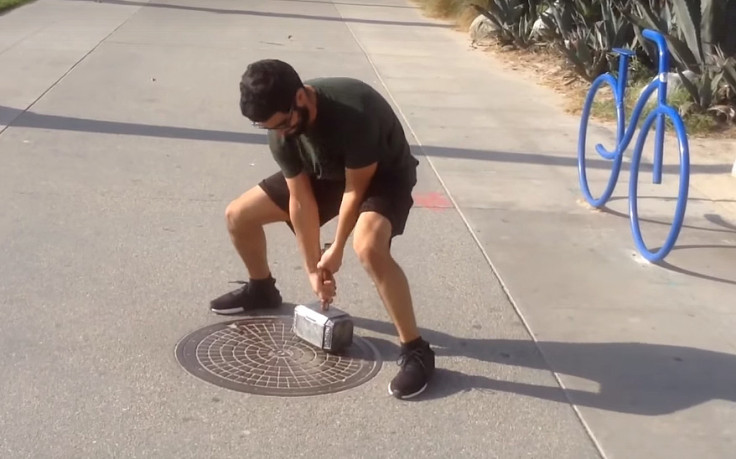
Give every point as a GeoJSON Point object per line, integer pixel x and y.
{"type": "Point", "coordinates": [260, 294]}
{"type": "Point", "coordinates": [417, 367]}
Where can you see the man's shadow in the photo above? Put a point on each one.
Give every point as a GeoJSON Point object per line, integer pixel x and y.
{"type": "Point", "coordinates": [638, 378]}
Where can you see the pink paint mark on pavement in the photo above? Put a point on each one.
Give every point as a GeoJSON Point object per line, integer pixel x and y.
{"type": "Point", "coordinates": [435, 201]}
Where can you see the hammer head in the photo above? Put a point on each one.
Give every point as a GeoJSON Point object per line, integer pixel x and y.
{"type": "Point", "coordinates": [330, 330]}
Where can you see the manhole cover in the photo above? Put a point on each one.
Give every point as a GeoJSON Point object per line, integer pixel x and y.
{"type": "Point", "coordinates": [261, 355]}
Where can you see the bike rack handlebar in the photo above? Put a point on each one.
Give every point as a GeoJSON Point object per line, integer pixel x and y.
{"type": "Point", "coordinates": [658, 38]}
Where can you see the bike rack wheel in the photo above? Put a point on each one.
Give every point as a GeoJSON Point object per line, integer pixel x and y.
{"type": "Point", "coordinates": [615, 156]}
{"type": "Point", "coordinates": [682, 195]}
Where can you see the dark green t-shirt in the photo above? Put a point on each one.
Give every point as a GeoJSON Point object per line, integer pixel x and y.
{"type": "Point", "coordinates": [355, 127]}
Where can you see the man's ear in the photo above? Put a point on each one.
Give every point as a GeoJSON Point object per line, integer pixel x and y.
{"type": "Point", "coordinates": [301, 97]}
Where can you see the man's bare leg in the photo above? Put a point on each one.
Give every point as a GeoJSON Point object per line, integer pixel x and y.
{"type": "Point", "coordinates": [371, 241]}
{"type": "Point", "coordinates": [245, 218]}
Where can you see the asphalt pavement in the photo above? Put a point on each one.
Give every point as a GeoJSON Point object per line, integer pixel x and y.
{"type": "Point", "coordinates": [121, 144]}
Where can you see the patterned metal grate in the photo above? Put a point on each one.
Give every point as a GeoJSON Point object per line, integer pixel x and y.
{"type": "Point", "coordinates": [261, 355]}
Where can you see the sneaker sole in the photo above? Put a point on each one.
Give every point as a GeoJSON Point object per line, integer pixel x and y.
{"type": "Point", "coordinates": [404, 397]}
{"type": "Point", "coordinates": [228, 311]}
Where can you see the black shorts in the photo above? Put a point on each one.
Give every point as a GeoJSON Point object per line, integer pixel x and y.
{"type": "Point", "coordinates": [388, 196]}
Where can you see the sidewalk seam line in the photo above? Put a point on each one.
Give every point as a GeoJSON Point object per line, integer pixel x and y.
{"type": "Point", "coordinates": [475, 238]}
{"type": "Point", "coordinates": [68, 71]}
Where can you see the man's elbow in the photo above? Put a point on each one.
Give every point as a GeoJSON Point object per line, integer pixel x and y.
{"type": "Point", "coordinates": [298, 204]}
{"type": "Point", "coordinates": [301, 202]}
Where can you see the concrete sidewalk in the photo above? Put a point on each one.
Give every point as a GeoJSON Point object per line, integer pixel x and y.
{"type": "Point", "coordinates": [123, 146]}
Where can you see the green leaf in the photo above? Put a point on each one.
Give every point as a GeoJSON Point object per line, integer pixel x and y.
{"type": "Point", "coordinates": [584, 53]}
{"type": "Point", "coordinates": [690, 87]}
{"type": "Point", "coordinates": [712, 23]}
{"type": "Point", "coordinates": [716, 84]}
{"type": "Point", "coordinates": [600, 39]}
{"type": "Point", "coordinates": [490, 14]}
{"type": "Point", "coordinates": [687, 14]}
{"type": "Point", "coordinates": [573, 57]}
{"type": "Point", "coordinates": [563, 19]}
{"type": "Point", "coordinates": [706, 94]}
{"type": "Point", "coordinates": [681, 54]}
{"type": "Point", "coordinates": [668, 16]}
{"type": "Point", "coordinates": [552, 28]}
{"type": "Point", "coordinates": [642, 20]}
{"type": "Point", "coordinates": [623, 36]}
{"type": "Point", "coordinates": [649, 17]}
{"type": "Point", "coordinates": [729, 74]}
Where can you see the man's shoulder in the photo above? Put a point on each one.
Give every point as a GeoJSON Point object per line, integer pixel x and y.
{"type": "Point", "coordinates": [338, 83]}
{"type": "Point", "coordinates": [346, 98]}
{"type": "Point", "coordinates": [349, 91]}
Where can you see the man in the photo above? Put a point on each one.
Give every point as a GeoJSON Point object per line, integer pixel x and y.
{"type": "Point", "coordinates": [342, 152]}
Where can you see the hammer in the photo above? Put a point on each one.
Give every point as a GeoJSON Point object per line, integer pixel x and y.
{"type": "Point", "coordinates": [325, 327]}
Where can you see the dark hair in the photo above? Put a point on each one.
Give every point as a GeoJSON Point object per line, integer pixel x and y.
{"type": "Point", "coordinates": [268, 86]}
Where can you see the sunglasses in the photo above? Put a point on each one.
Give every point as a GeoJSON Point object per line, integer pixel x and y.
{"type": "Point", "coordinates": [282, 125]}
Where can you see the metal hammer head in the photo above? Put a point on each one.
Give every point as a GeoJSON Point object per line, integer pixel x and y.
{"type": "Point", "coordinates": [330, 330]}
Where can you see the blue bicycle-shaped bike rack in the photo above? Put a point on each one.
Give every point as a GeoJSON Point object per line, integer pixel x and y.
{"type": "Point", "coordinates": [625, 133]}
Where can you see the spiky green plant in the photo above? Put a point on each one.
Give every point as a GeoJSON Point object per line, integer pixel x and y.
{"type": "Point", "coordinates": [586, 31]}
{"type": "Point", "coordinates": [514, 19]}
{"type": "Point", "coordinates": [691, 28]}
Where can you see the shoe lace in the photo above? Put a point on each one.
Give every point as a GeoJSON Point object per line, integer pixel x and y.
{"type": "Point", "coordinates": [412, 356]}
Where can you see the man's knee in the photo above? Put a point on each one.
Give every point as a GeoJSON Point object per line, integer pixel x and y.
{"type": "Point", "coordinates": [371, 240]}
{"type": "Point", "coordinates": [252, 209]}
{"type": "Point", "coordinates": [236, 215]}
{"type": "Point", "coordinates": [366, 248]}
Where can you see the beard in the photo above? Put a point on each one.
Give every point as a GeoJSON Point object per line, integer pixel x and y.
{"type": "Point", "coordinates": [301, 125]}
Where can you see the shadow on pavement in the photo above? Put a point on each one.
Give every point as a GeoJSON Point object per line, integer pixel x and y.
{"type": "Point", "coordinates": [19, 118]}
{"type": "Point", "coordinates": [638, 378]}
{"type": "Point", "coordinates": [716, 219]}
{"type": "Point", "coordinates": [568, 161]}
{"type": "Point", "coordinates": [269, 14]}
{"type": "Point", "coordinates": [678, 269]}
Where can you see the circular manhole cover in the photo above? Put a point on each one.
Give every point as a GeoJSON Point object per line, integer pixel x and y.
{"type": "Point", "coordinates": [261, 355]}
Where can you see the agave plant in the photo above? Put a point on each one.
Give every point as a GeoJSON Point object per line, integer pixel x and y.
{"type": "Point", "coordinates": [692, 29]}
{"type": "Point", "coordinates": [703, 88]}
{"type": "Point", "coordinates": [689, 17]}
{"type": "Point", "coordinates": [716, 15]}
{"type": "Point", "coordinates": [728, 67]}
{"type": "Point", "coordinates": [586, 31]}
{"type": "Point", "coordinates": [714, 89]}
{"type": "Point", "coordinates": [725, 68]}
{"type": "Point", "coordinates": [514, 20]}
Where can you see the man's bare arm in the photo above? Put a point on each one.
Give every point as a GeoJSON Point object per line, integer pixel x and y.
{"type": "Point", "coordinates": [304, 216]}
{"type": "Point", "coordinates": [356, 184]}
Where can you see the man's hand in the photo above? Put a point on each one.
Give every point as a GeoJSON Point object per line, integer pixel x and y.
{"type": "Point", "coordinates": [331, 259]}
{"type": "Point", "coordinates": [324, 287]}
